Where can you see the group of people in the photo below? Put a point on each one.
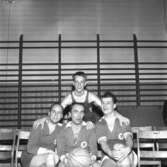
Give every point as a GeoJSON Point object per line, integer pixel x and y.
{"type": "Point", "coordinates": [86, 130]}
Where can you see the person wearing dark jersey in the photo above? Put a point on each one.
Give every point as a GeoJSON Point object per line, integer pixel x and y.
{"type": "Point", "coordinates": [80, 94]}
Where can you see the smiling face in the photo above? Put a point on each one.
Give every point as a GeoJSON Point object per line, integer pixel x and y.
{"type": "Point", "coordinates": [79, 83]}
{"type": "Point", "coordinates": [108, 105]}
{"type": "Point", "coordinates": [56, 113]}
{"type": "Point", "coordinates": [77, 113]}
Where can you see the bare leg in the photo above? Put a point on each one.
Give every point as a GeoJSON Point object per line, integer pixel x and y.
{"type": "Point", "coordinates": [61, 164]}
{"type": "Point", "coordinates": [109, 163]}
{"type": "Point", "coordinates": [38, 160]}
{"type": "Point", "coordinates": [47, 160]}
{"type": "Point", "coordinates": [130, 161]}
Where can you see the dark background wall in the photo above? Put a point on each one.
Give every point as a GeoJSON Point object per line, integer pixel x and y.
{"type": "Point", "coordinates": [144, 115]}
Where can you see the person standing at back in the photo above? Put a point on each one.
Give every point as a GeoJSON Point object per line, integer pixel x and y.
{"type": "Point", "coordinates": [80, 94]}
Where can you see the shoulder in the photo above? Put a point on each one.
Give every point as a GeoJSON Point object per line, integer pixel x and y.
{"type": "Point", "coordinates": [66, 126]}
{"type": "Point", "coordinates": [90, 94]}
{"type": "Point", "coordinates": [88, 131]}
{"type": "Point", "coordinates": [101, 123]}
{"type": "Point", "coordinates": [38, 125]}
{"type": "Point", "coordinates": [60, 125]}
{"type": "Point", "coordinates": [68, 96]}
{"type": "Point", "coordinates": [127, 123]}
{"type": "Point", "coordinates": [94, 98]}
{"type": "Point", "coordinates": [124, 120]}
{"type": "Point", "coordinates": [67, 100]}
{"type": "Point", "coordinates": [101, 128]}
{"type": "Point", "coordinates": [63, 131]}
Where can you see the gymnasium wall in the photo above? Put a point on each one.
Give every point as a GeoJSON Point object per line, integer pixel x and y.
{"type": "Point", "coordinates": [143, 115]}
{"type": "Point", "coordinates": [76, 19]}
{"type": "Point", "coordinates": [82, 20]}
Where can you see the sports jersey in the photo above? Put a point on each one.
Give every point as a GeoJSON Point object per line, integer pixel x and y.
{"type": "Point", "coordinates": [117, 135]}
{"type": "Point", "coordinates": [40, 138]}
{"type": "Point", "coordinates": [86, 139]}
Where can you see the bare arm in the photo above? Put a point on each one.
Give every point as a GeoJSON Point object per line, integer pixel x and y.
{"type": "Point", "coordinates": [39, 122]}
{"type": "Point", "coordinates": [124, 152]}
{"type": "Point", "coordinates": [128, 136]}
{"type": "Point", "coordinates": [106, 148]}
{"type": "Point", "coordinates": [93, 98]}
{"type": "Point", "coordinates": [34, 146]}
{"type": "Point", "coordinates": [129, 140]}
{"type": "Point", "coordinates": [66, 101]}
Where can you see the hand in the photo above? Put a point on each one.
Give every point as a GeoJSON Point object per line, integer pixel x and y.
{"type": "Point", "coordinates": [125, 152]}
{"type": "Point", "coordinates": [116, 155]}
{"type": "Point", "coordinates": [90, 125]}
{"type": "Point", "coordinates": [93, 159]}
{"type": "Point", "coordinates": [96, 164]}
{"type": "Point", "coordinates": [121, 154]}
{"type": "Point", "coordinates": [123, 120]}
{"type": "Point", "coordinates": [39, 122]}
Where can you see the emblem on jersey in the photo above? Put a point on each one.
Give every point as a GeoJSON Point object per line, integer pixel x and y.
{"type": "Point", "coordinates": [121, 136]}
{"type": "Point", "coordinates": [84, 144]}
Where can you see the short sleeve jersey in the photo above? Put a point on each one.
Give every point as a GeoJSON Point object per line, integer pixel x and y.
{"type": "Point", "coordinates": [67, 142]}
{"type": "Point", "coordinates": [117, 135]}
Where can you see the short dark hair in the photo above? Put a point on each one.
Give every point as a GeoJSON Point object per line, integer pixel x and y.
{"type": "Point", "coordinates": [111, 95]}
{"type": "Point", "coordinates": [79, 73]}
{"type": "Point", "coordinates": [76, 103]}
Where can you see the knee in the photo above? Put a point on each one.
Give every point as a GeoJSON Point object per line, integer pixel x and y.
{"type": "Point", "coordinates": [50, 160]}
{"type": "Point", "coordinates": [129, 161]}
{"type": "Point", "coordinates": [125, 163]}
{"type": "Point", "coordinates": [61, 164]}
{"type": "Point", "coordinates": [108, 163]}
